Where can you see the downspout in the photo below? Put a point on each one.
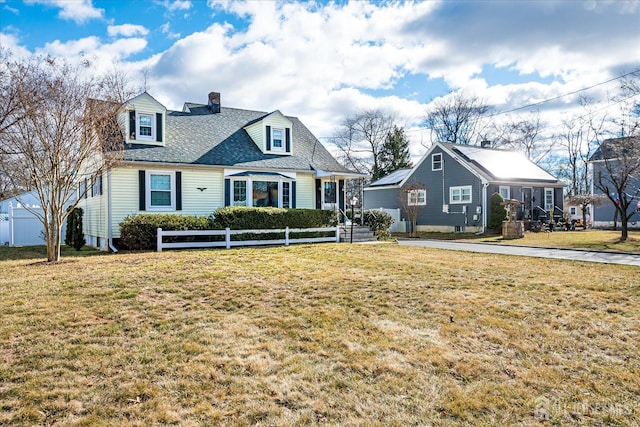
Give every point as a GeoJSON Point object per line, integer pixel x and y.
{"type": "Point", "coordinates": [109, 228]}
{"type": "Point", "coordinates": [485, 214]}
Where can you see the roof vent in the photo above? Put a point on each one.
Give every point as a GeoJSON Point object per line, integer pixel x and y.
{"type": "Point", "coordinates": [214, 102]}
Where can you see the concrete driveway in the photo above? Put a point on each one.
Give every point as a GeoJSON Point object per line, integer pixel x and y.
{"type": "Point", "coordinates": [570, 254]}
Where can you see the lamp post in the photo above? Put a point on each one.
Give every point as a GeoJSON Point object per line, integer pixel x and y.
{"type": "Point", "coordinates": [354, 201]}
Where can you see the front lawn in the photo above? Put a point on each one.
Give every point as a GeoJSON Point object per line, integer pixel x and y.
{"type": "Point", "coordinates": [330, 333]}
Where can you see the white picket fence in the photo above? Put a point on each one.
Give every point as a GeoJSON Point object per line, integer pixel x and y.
{"type": "Point", "coordinates": [228, 243]}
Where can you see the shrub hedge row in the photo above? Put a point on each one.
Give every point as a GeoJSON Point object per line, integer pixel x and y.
{"type": "Point", "coordinates": [139, 232]}
{"type": "Point", "coordinates": [241, 218]}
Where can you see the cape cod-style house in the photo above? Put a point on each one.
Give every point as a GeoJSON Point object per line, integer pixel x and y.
{"type": "Point", "coordinates": [453, 183]}
{"type": "Point", "coordinates": [205, 157]}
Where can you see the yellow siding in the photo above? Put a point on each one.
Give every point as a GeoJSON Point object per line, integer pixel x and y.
{"type": "Point", "coordinates": [146, 104]}
{"type": "Point", "coordinates": [305, 191]}
{"type": "Point", "coordinates": [257, 132]}
{"type": "Point", "coordinates": [94, 208]}
{"type": "Point", "coordinates": [196, 202]}
{"type": "Point", "coordinates": [125, 197]}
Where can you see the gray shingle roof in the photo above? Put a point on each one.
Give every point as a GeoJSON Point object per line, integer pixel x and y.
{"type": "Point", "coordinates": [199, 137]}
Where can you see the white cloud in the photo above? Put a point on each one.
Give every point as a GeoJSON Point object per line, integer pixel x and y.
{"type": "Point", "coordinates": [126, 30]}
{"type": "Point", "coordinates": [79, 11]}
{"type": "Point", "coordinates": [323, 62]}
{"type": "Point", "coordinates": [177, 5]}
{"type": "Point", "coordinates": [166, 29]}
{"type": "Point", "coordinates": [103, 56]}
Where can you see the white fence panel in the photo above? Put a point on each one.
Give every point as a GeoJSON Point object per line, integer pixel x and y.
{"type": "Point", "coordinates": [228, 243]}
{"type": "Point", "coordinates": [395, 214]}
{"type": "Point", "coordinates": [25, 229]}
{"type": "Point", "coordinates": [4, 229]}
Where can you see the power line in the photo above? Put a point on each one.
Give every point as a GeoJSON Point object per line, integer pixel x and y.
{"type": "Point", "coordinates": [563, 95]}
{"type": "Point", "coordinates": [420, 129]}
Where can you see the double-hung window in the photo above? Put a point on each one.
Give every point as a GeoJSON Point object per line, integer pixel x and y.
{"type": "Point", "coordinates": [505, 192]}
{"type": "Point", "coordinates": [417, 197]}
{"type": "Point", "coordinates": [436, 162]}
{"type": "Point", "coordinates": [460, 194]}
{"type": "Point", "coordinates": [161, 189]}
{"type": "Point", "coordinates": [145, 125]}
{"type": "Point", "coordinates": [277, 139]}
{"type": "Point", "coordinates": [239, 193]}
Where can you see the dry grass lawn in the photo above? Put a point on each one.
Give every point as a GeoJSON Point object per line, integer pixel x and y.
{"type": "Point", "coordinates": [325, 334]}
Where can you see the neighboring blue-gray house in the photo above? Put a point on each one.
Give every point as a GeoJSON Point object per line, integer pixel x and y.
{"type": "Point", "coordinates": [458, 181]}
{"type": "Point", "coordinates": [609, 152]}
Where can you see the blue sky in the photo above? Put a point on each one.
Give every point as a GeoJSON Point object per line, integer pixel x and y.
{"type": "Point", "coordinates": [322, 61]}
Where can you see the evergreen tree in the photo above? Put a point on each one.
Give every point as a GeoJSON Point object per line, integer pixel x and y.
{"type": "Point", "coordinates": [394, 154]}
{"type": "Point", "coordinates": [497, 212]}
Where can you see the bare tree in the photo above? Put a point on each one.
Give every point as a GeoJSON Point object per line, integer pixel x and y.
{"type": "Point", "coordinates": [412, 197]}
{"type": "Point", "coordinates": [617, 176]}
{"type": "Point", "coordinates": [456, 119]}
{"type": "Point", "coordinates": [584, 201]}
{"type": "Point", "coordinates": [580, 138]}
{"type": "Point", "coordinates": [523, 134]}
{"type": "Point", "coordinates": [361, 139]}
{"type": "Point", "coordinates": [57, 135]}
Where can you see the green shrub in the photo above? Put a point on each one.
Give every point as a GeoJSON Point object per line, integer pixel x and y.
{"type": "Point", "coordinates": [497, 212]}
{"type": "Point", "coordinates": [74, 236]}
{"type": "Point", "coordinates": [243, 218]}
{"type": "Point", "coordinates": [379, 222]}
{"type": "Point", "coordinates": [139, 232]}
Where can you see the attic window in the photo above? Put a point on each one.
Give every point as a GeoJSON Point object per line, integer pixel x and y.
{"type": "Point", "coordinates": [145, 130]}
{"type": "Point", "coordinates": [277, 139]}
{"type": "Point", "coordinates": [436, 162]}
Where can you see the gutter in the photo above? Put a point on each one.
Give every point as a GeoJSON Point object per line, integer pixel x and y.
{"type": "Point", "coordinates": [109, 228]}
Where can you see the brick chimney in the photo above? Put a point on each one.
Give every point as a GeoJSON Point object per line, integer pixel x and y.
{"type": "Point", "coordinates": [214, 102]}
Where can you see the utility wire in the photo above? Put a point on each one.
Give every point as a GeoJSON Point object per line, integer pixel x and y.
{"type": "Point", "coordinates": [564, 95]}
{"type": "Point", "coordinates": [535, 103]}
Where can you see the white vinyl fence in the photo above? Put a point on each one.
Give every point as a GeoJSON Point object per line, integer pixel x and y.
{"type": "Point", "coordinates": [21, 227]}
{"type": "Point", "coordinates": [4, 229]}
{"type": "Point", "coordinates": [227, 233]}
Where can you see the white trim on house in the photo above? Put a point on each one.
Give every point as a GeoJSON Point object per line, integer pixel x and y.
{"type": "Point", "coordinates": [417, 197]}
{"type": "Point", "coordinates": [140, 115]}
{"type": "Point", "coordinates": [436, 165]}
{"type": "Point", "coordinates": [149, 190]}
{"type": "Point", "coordinates": [455, 156]}
{"type": "Point", "coordinates": [462, 191]}
{"type": "Point", "coordinates": [547, 207]}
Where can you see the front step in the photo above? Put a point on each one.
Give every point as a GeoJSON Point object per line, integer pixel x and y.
{"type": "Point", "coordinates": [361, 233]}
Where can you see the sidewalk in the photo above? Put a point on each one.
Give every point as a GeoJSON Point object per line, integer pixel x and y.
{"type": "Point", "coordinates": [557, 253]}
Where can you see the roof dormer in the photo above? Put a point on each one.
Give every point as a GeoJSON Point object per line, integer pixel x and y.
{"type": "Point", "coordinates": [144, 118]}
{"type": "Point", "coordinates": [272, 133]}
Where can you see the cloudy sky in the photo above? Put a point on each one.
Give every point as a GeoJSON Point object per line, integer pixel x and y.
{"type": "Point", "coordinates": [322, 61]}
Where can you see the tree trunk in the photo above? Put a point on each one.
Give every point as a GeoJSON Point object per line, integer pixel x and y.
{"type": "Point", "coordinates": [625, 230]}
{"type": "Point", "coordinates": [53, 237]}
